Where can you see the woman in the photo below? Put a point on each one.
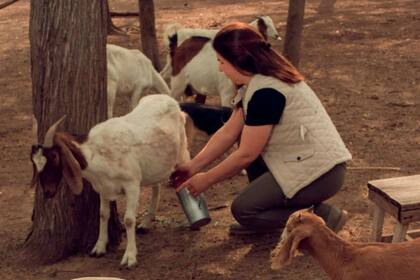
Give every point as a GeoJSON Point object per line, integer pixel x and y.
{"type": "Point", "coordinates": [294, 156]}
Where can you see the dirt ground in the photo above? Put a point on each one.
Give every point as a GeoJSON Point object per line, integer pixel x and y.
{"type": "Point", "coordinates": [364, 63]}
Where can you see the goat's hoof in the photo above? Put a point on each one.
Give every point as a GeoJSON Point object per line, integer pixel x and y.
{"type": "Point", "coordinates": [128, 261]}
{"type": "Point", "coordinates": [142, 230]}
{"type": "Point", "coordinates": [98, 251]}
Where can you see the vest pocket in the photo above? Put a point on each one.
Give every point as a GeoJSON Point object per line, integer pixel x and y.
{"type": "Point", "coordinates": [298, 155]}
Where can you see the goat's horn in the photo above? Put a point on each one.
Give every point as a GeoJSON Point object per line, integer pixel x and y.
{"type": "Point", "coordinates": [34, 130]}
{"type": "Point", "coordinates": [49, 136]}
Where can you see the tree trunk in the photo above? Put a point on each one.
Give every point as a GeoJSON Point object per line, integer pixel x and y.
{"type": "Point", "coordinates": [148, 32]}
{"type": "Point", "coordinates": [326, 6]}
{"type": "Point", "coordinates": [68, 65]}
{"type": "Point", "coordinates": [294, 30]}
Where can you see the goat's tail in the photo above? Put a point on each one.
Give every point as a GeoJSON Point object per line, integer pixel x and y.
{"type": "Point", "coordinates": [170, 32]}
{"type": "Point", "coordinates": [159, 83]}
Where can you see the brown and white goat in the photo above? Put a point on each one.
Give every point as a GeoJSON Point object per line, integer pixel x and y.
{"type": "Point", "coordinates": [343, 260]}
{"type": "Point", "coordinates": [120, 154]}
{"type": "Point", "coordinates": [192, 63]}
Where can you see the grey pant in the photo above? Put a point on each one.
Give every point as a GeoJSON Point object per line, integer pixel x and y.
{"type": "Point", "coordinates": [263, 205]}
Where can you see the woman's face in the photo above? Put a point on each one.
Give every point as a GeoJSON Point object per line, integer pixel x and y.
{"type": "Point", "coordinates": [231, 72]}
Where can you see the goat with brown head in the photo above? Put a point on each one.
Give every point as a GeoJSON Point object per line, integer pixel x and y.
{"type": "Point", "coordinates": [298, 228]}
{"type": "Point", "coordinates": [345, 260]}
{"type": "Point", "coordinates": [117, 157]}
{"type": "Point", "coordinates": [54, 159]}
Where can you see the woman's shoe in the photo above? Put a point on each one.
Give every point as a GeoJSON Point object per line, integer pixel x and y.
{"type": "Point", "coordinates": [336, 221]}
{"type": "Point", "coordinates": [334, 217]}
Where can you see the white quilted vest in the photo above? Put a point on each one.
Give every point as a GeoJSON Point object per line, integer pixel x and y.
{"type": "Point", "coordinates": [305, 144]}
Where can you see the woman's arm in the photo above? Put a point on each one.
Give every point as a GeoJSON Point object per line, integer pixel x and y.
{"type": "Point", "coordinates": [253, 142]}
{"type": "Point", "coordinates": [221, 141]}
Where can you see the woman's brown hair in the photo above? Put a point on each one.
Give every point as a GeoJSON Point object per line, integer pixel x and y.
{"type": "Point", "coordinates": [245, 48]}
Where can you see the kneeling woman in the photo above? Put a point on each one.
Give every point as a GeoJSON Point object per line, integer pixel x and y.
{"type": "Point", "coordinates": [294, 156]}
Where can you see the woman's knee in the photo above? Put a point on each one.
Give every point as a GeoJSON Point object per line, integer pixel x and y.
{"type": "Point", "coordinates": [241, 211]}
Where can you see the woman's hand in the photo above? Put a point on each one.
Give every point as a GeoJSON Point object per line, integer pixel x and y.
{"type": "Point", "coordinates": [181, 174]}
{"type": "Point", "coordinates": [196, 184]}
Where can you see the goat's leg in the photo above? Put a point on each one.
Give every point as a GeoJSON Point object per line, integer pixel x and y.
{"type": "Point", "coordinates": [151, 212]}
{"type": "Point", "coordinates": [178, 86]}
{"type": "Point", "coordinates": [100, 246]}
{"type": "Point", "coordinates": [135, 97]}
{"type": "Point", "coordinates": [132, 197]}
{"type": "Point", "coordinates": [166, 71]}
{"type": "Point", "coordinates": [112, 93]}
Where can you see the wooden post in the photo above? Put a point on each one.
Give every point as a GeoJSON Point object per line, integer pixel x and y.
{"type": "Point", "coordinates": [148, 32]}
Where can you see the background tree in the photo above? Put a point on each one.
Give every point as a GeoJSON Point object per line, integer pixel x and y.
{"type": "Point", "coordinates": [68, 65]}
{"type": "Point", "coordinates": [294, 30]}
{"type": "Point", "coordinates": [148, 32]}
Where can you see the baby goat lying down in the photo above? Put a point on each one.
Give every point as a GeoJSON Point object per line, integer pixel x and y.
{"type": "Point", "coordinates": [343, 260]}
{"type": "Point", "coordinates": [120, 154]}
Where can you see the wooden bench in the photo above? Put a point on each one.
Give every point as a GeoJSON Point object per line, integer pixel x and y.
{"type": "Point", "coordinates": [399, 197]}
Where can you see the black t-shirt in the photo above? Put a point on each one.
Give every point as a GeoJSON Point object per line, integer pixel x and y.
{"type": "Point", "coordinates": [265, 107]}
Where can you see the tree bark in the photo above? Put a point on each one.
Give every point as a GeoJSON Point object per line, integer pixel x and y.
{"type": "Point", "coordinates": [68, 67]}
{"type": "Point", "coordinates": [294, 30]}
{"type": "Point", "coordinates": [148, 32]}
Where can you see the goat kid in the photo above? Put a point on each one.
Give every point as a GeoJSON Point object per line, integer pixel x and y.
{"type": "Point", "coordinates": [343, 260]}
{"type": "Point", "coordinates": [130, 72]}
{"type": "Point", "coordinates": [118, 156]}
{"type": "Point", "coordinates": [192, 64]}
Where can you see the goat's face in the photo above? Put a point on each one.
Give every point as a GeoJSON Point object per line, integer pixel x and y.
{"type": "Point", "coordinates": [53, 160]}
{"type": "Point", "coordinates": [47, 168]}
{"type": "Point", "coordinates": [298, 227]}
{"type": "Point", "coordinates": [267, 28]}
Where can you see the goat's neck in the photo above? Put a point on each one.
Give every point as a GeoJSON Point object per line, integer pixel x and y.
{"type": "Point", "coordinates": [329, 250]}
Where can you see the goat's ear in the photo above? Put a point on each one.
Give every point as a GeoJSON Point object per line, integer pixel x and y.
{"type": "Point", "coordinates": [72, 171]}
{"type": "Point", "coordinates": [311, 209]}
{"type": "Point", "coordinates": [287, 249]}
{"type": "Point", "coordinates": [34, 176]}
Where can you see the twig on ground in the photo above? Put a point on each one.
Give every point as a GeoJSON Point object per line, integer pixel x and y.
{"type": "Point", "coordinates": [218, 207]}
{"type": "Point", "coordinates": [124, 14]}
{"type": "Point", "coordinates": [5, 4]}
{"type": "Point", "coordinates": [374, 168]}
{"type": "Point", "coordinates": [114, 30]}
{"type": "Point", "coordinates": [130, 29]}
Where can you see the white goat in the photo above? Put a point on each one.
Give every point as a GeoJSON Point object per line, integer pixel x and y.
{"type": "Point", "coordinates": [343, 260]}
{"type": "Point", "coordinates": [199, 68]}
{"type": "Point", "coordinates": [120, 154]}
{"type": "Point", "coordinates": [130, 72]}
